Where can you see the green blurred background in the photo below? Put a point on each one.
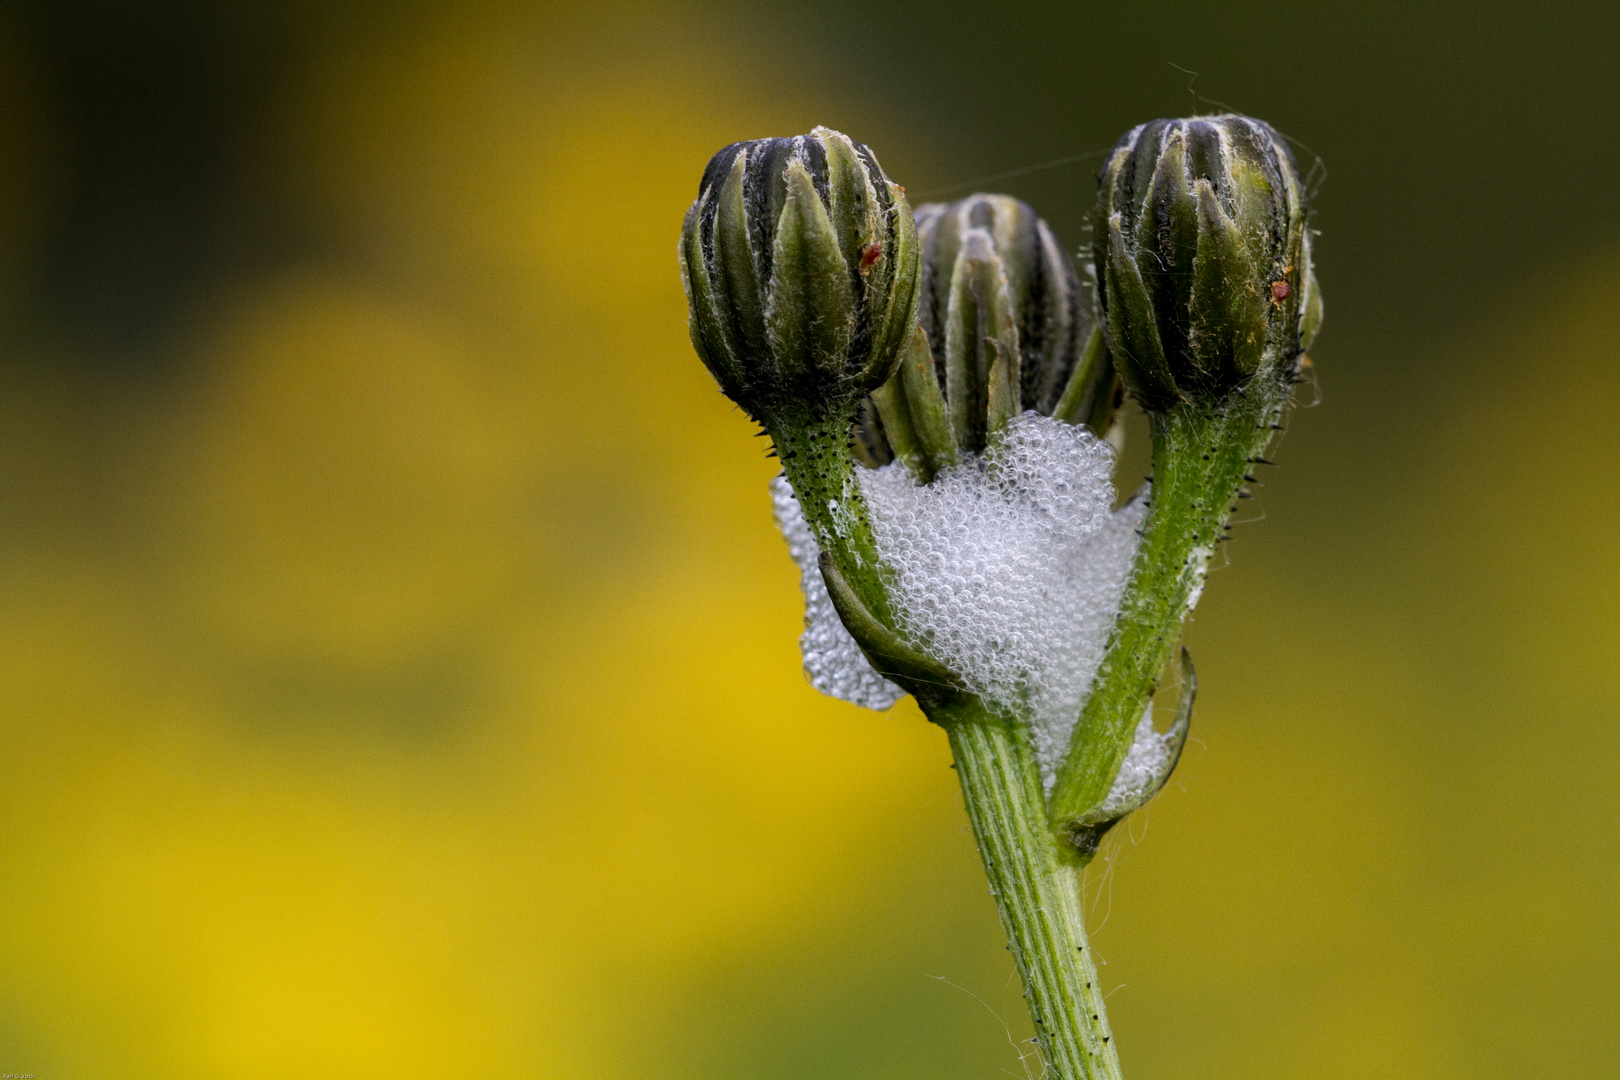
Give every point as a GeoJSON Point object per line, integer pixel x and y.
{"type": "Point", "coordinates": [398, 670]}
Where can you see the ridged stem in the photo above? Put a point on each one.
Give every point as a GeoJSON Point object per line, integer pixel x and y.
{"type": "Point", "coordinates": [815, 453]}
{"type": "Point", "coordinates": [1202, 455]}
{"type": "Point", "coordinates": [1035, 880]}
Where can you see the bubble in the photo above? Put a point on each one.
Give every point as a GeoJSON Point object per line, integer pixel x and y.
{"type": "Point", "coordinates": [833, 663]}
{"type": "Point", "coordinates": [1146, 761]}
{"type": "Point", "coordinates": [1008, 568]}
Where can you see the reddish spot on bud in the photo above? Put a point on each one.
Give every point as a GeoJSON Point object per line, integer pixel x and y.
{"type": "Point", "coordinates": [1280, 291]}
{"type": "Point", "coordinates": [870, 254]}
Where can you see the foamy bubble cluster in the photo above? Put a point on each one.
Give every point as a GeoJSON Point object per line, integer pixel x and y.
{"type": "Point", "coordinates": [1146, 761]}
{"type": "Point", "coordinates": [1009, 568]}
{"type": "Point", "coordinates": [833, 662]}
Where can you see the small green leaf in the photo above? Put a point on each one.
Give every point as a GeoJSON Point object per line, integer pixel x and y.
{"type": "Point", "coordinates": [1133, 327]}
{"type": "Point", "coordinates": [913, 400]}
{"type": "Point", "coordinates": [920, 674]}
{"type": "Point", "coordinates": [980, 310]}
{"type": "Point", "coordinates": [963, 354]}
{"type": "Point", "coordinates": [1055, 320]}
{"type": "Point", "coordinates": [809, 311]}
{"type": "Point", "coordinates": [895, 411]}
{"type": "Point", "coordinates": [1090, 397]}
{"type": "Point", "coordinates": [927, 405]}
{"type": "Point", "coordinates": [900, 305]}
{"type": "Point", "coordinates": [1086, 831]}
{"type": "Point", "coordinates": [734, 260]}
{"type": "Point", "coordinates": [712, 333]}
{"type": "Point", "coordinates": [1229, 305]}
{"type": "Point", "coordinates": [859, 224]}
{"type": "Point", "coordinates": [1001, 403]}
{"type": "Point", "coordinates": [1168, 237]}
{"type": "Point", "coordinates": [851, 198]}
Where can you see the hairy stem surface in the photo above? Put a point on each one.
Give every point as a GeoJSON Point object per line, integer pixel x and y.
{"type": "Point", "coordinates": [1202, 455]}
{"type": "Point", "coordinates": [1035, 880]}
{"type": "Point", "coordinates": [814, 451]}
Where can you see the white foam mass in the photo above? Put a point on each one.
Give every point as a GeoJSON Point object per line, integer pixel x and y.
{"type": "Point", "coordinates": [1009, 568]}
{"type": "Point", "coordinates": [833, 663]}
{"type": "Point", "coordinates": [1146, 761]}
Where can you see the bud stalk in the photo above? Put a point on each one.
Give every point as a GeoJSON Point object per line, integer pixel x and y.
{"type": "Point", "coordinates": [1209, 301]}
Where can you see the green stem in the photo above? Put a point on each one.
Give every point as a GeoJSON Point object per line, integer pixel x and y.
{"type": "Point", "coordinates": [1036, 883]}
{"type": "Point", "coordinates": [1201, 456]}
{"type": "Point", "coordinates": [815, 456]}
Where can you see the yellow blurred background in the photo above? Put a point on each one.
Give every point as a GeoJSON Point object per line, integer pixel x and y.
{"type": "Point", "coordinates": [398, 665]}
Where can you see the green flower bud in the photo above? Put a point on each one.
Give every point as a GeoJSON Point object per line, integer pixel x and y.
{"type": "Point", "coordinates": [1004, 327]}
{"type": "Point", "coordinates": [1204, 258]}
{"type": "Point", "coordinates": [800, 263]}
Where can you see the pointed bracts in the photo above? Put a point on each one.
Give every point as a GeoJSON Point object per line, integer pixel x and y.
{"type": "Point", "coordinates": [1004, 327]}
{"type": "Point", "coordinates": [800, 263]}
{"type": "Point", "coordinates": [1203, 258]}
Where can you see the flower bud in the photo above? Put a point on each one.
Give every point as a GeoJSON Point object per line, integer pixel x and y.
{"type": "Point", "coordinates": [800, 263]}
{"type": "Point", "coordinates": [1004, 327]}
{"type": "Point", "coordinates": [1204, 258]}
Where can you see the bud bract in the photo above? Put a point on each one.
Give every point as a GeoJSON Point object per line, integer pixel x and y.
{"type": "Point", "coordinates": [1003, 327]}
{"type": "Point", "coordinates": [800, 263]}
{"type": "Point", "coordinates": [1203, 258]}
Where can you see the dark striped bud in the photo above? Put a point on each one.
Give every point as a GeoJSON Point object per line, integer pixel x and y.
{"type": "Point", "coordinates": [800, 263]}
{"type": "Point", "coordinates": [1004, 327]}
{"type": "Point", "coordinates": [1204, 259]}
